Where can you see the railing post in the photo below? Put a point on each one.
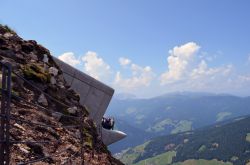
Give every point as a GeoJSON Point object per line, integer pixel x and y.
{"type": "Point", "coordinates": [8, 101]}
{"type": "Point", "coordinates": [5, 114]}
{"type": "Point", "coordinates": [2, 129]}
{"type": "Point", "coordinates": [81, 136]}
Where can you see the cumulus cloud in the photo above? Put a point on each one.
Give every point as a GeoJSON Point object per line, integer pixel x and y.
{"type": "Point", "coordinates": [140, 77]}
{"type": "Point", "coordinates": [205, 78]}
{"type": "Point", "coordinates": [204, 71]}
{"type": "Point", "coordinates": [124, 61]}
{"type": "Point", "coordinates": [95, 66]}
{"type": "Point", "coordinates": [69, 58]}
{"type": "Point", "coordinates": [178, 61]}
{"type": "Point", "coordinates": [190, 71]}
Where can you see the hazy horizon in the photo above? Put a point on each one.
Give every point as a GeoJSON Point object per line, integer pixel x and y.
{"type": "Point", "coordinates": [134, 96]}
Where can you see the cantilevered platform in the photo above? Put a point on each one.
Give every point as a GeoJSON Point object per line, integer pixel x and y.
{"type": "Point", "coordinates": [95, 95]}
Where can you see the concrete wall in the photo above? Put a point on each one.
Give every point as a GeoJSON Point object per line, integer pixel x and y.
{"type": "Point", "coordinates": [94, 94]}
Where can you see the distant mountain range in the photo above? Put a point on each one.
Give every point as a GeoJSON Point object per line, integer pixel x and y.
{"type": "Point", "coordinates": [172, 113]}
{"type": "Point", "coordinates": [225, 143]}
{"type": "Point", "coordinates": [124, 96]}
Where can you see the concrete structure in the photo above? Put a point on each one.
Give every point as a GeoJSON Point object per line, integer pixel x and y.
{"type": "Point", "coordinates": [94, 95]}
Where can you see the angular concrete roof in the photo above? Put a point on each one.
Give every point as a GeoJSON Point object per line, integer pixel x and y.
{"type": "Point", "coordinates": [95, 95]}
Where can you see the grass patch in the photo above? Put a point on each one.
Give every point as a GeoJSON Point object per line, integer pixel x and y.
{"type": "Point", "coordinates": [88, 140]}
{"type": "Point", "coordinates": [182, 126]}
{"type": "Point", "coordinates": [202, 148]}
{"type": "Point", "coordinates": [160, 126]}
{"type": "Point", "coordinates": [248, 137]}
{"type": "Point", "coordinates": [13, 92]}
{"type": "Point", "coordinates": [36, 72]}
{"type": "Point", "coordinates": [222, 115]}
{"type": "Point", "coordinates": [132, 154]}
{"type": "Point", "coordinates": [162, 159]}
{"type": "Point", "coordinates": [203, 162]}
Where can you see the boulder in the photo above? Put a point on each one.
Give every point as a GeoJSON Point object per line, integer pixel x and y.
{"type": "Point", "coordinates": [45, 58]}
{"type": "Point", "coordinates": [53, 71]}
{"type": "Point", "coordinates": [72, 110]}
{"type": "Point", "coordinates": [42, 100]}
{"type": "Point", "coordinates": [7, 35]}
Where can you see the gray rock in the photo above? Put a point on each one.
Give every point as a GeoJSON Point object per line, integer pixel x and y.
{"type": "Point", "coordinates": [19, 126]}
{"type": "Point", "coordinates": [53, 80]}
{"type": "Point", "coordinates": [33, 57]}
{"type": "Point", "coordinates": [60, 84]}
{"type": "Point", "coordinates": [42, 100]}
{"type": "Point", "coordinates": [53, 71]}
{"type": "Point", "coordinates": [57, 115]}
{"type": "Point", "coordinates": [24, 150]}
{"type": "Point", "coordinates": [72, 110]}
{"type": "Point", "coordinates": [7, 35]}
{"type": "Point", "coordinates": [45, 59]}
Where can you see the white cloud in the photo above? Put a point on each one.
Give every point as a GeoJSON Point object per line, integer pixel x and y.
{"type": "Point", "coordinates": [210, 79]}
{"type": "Point", "coordinates": [204, 71]}
{"type": "Point", "coordinates": [141, 77]}
{"type": "Point", "coordinates": [69, 58]}
{"type": "Point", "coordinates": [244, 78]}
{"type": "Point", "coordinates": [189, 71]}
{"type": "Point", "coordinates": [178, 62]}
{"type": "Point", "coordinates": [124, 61]}
{"type": "Point", "coordinates": [95, 66]}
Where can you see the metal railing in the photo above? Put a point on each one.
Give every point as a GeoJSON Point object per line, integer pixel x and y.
{"type": "Point", "coordinates": [6, 117]}
{"type": "Point", "coordinates": [5, 114]}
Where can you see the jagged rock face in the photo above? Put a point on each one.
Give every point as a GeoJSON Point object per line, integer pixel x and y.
{"type": "Point", "coordinates": [34, 62]}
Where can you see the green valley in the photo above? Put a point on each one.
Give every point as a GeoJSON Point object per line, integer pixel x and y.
{"type": "Point", "coordinates": [224, 143]}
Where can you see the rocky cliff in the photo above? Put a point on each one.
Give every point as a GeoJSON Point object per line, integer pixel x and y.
{"type": "Point", "coordinates": [40, 95]}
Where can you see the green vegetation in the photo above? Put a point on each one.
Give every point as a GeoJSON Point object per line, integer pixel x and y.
{"type": "Point", "coordinates": [182, 126]}
{"type": "Point", "coordinates": [222, 115]}
{"type": "Point", "coordinates": [158, 127]}
{"type": "Point", "coordinates": [13, 92]}
{"type": "Point", "coordinates": [133, 154]}
{"type": "Point", "coordinates": [226, 143]}
{"type": "Point", "coordinates": [162, 159]}
{"type": "Point", "coordinates": [88, 140]}
{"type": "Point", "coordinates": [8, 29]}
{"type": "Point", "coordinates": [36, 72]}
{"type": "Point", "coordinates": [203, 162]}
{"type": "Point", "coordinates": [248, 137]}
{"type": "Point", "coordinates": [202, 148]}
{"type": "Point", "coordinates": [152, 115]}
{"type": "Point", "coordinates": [234, 158]}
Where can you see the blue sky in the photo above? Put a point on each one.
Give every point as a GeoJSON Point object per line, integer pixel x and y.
{"type": "Point", "coordinates": [128, 44]}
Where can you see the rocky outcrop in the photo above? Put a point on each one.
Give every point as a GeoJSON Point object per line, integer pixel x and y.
{"type": "Point", "coordinates": [35, 63]}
